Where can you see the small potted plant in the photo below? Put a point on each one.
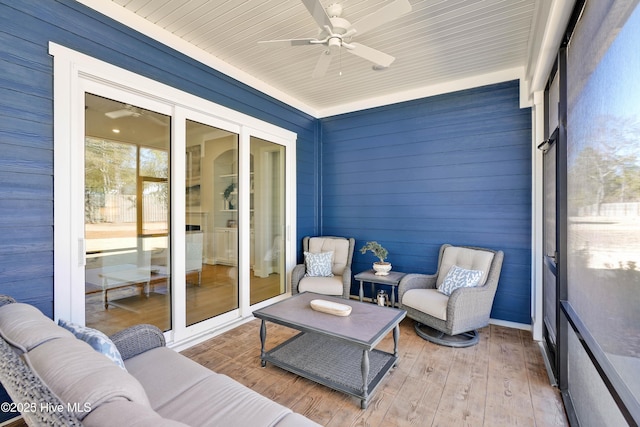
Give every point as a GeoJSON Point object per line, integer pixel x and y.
{"type": "Point", "coordinates": [229, 196]}
{"type": "Point", "coordinates": [381, 267]}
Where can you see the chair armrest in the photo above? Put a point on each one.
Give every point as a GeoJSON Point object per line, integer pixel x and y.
{"type": "Point", "coordinates": [137, 339]}
{"type": "Point", "coordinates": [346, 282]}
{"type": "Point", "coordinates": [415, 281]}
{"type": "Point", "coordinates": [296, 275]}
{"type": "Point", "coordinates": [473, 306]}
{"type": "Point", "coordinates": [31, 393]}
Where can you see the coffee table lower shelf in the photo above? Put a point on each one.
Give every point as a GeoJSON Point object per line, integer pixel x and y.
{"type": "Point", "coordinates": [333, 363]}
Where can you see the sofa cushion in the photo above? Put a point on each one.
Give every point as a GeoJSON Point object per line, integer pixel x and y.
{"type": "Point", "coordinates": [429, 301]}
{"type": "Point", "coordinates": [82, 377]}
{"type": "Point", "coordinates": [96, 339]}
{"type": "Point", "coordinates": [126, 413]}
{"type": "Point", "coordinates": [321, 285]}
{"type": "Point", "coordinates": [233, 404]}
{"type": "Point", "coordinates": [165, 374]}
{"type": "Point", "coordinates": [25, 327]}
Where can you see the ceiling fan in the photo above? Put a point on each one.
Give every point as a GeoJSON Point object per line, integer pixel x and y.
{"type": "Point", "coordinates": [131, 111]}
{"type": "Point", "coordinates": [337, 32]}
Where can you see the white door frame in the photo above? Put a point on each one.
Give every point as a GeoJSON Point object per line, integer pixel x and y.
{"type": "Point", "coordinates": [75, 73]}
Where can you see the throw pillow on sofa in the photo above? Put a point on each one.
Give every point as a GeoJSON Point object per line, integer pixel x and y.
{"type": "Point", "coordinates": [96, 339]}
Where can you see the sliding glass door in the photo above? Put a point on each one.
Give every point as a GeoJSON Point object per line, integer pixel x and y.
{"type": "Point", "coordinates": [126, 207]}
{"type": "Point", "coordinates": [128, 274]}
{"type": "Point", "coordinates": [211, 208]}
{"type": "Point", "coordinates": [169, 209]}
{"type": "Point", "coordinates": [267, 219]}
{"type": "Point", "coordinates": [129, 253]}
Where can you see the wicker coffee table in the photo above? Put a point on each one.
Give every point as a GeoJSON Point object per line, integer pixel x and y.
{"type": "Point", "coordinates": [337, 352]}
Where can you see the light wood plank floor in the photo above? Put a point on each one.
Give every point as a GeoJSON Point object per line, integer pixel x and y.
{"type": "Point", "coordinates": [499, 382]}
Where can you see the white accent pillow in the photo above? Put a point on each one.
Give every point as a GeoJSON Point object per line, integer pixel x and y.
{"type": "Point", "coordinates": [318, 264]}
{"type": "Point", "coordinates": [458, 277]}
{"type": "Point", "coordinates": [96, 339]}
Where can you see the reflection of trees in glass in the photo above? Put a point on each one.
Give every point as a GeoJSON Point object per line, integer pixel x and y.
{"type": "Point", "coordinates": [110, 171]}
{"type": "Point", "coordinates": [110, 168]}
{"type": "Point", "coordinates": [155, 164]}
{"type": "Point", "coordinates": [607, 169]}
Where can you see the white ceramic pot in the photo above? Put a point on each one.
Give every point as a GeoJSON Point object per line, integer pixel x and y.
{"type": "Point", "coordinates": [382, 269]}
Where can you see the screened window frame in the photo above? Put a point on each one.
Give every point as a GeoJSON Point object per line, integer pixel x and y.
{"type": "Point", "coordinates": [626, 402]}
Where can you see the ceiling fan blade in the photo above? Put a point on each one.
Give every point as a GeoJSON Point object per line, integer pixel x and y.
{"type": "Point", "coordinates": [291, 42]}
{"type": "Point", "coordinates": [119, 113]}
{"type": "Point", "coordinates": [385, 14]}
{"type": "Point", "coordinates": [323, 64]}
{"type": "Point", "coordinates": [318, 13]}
{"type": "Point", "coordinates": [156, 120]}
{"type": "Point", "coordinates": [375, 56]}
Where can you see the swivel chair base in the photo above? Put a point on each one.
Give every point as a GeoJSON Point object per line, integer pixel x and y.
{"type": "Point", "coordinates": [465, 339]}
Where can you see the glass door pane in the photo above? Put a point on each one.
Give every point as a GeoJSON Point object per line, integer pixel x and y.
{"type": "Point", "coordinates": [211, 241]}
{"type": "Point", "coordinates": [267, 205]}
{"type": "Point", "coordinates": [126, 215]}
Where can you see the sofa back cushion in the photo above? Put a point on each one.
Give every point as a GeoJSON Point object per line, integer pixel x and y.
{"type": "Point", "coordinates": [25, 327]}
{"type": "Point", "coordinates": [339, 247]}
{"type": "Point", "coordinates": [467, 258]}
{"type": "Point", "coordinates": [82, 377]}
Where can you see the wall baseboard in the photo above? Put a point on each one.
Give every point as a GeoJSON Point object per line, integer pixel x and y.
{"type": "Point", "coordinates": [508, 324]}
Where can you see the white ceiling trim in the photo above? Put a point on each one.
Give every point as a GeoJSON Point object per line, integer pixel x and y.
{"type": "Point", "coordinates": [432, 90]}
{"type": "Point", "coordinates": [137, 23]}
{"type": "Point", "coordinates": [539, 51]}
{"type": "Point", "coordinates": [556, 23]}
{"type": "Point", "coordinates": [144, 26]}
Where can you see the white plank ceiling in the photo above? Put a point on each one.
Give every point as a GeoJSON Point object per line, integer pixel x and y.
{"type": "Point", "coordinates": [438, 42]}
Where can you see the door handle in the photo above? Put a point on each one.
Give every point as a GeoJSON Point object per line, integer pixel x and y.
{"type": "Point", "coordinates": [553, 256]}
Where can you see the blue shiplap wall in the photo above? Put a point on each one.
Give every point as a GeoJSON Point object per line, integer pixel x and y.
{"type": "Point", "coordinates": [26, 125]}
{"type": "Point", "coordinates": [454, 168]}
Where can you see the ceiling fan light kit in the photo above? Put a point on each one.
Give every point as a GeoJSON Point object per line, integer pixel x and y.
{"type": "Point", "coordinates": [131, 111]}
{"type": "Point", "coordinates": [336, 32]}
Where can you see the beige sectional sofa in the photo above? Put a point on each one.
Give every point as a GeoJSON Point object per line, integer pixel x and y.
{"type": "Point", "coordinates": [55, 378]}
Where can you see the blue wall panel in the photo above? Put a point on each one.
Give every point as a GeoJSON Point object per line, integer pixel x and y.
{"type": "Point", "coordinates": [453, 168]}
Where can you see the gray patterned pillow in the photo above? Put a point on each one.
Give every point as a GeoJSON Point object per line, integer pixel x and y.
{"type": "Point", "coordinates": [318, 264]}
{"type": "Point", "coordinates": [96, 339]}
{"type": "Point", "coordinates": [458, 277]}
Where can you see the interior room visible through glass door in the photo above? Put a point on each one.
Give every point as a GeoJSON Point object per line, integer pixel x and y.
{"type": "Point", "coordinates": [211, 238]}
{"type": "Point", "coordinates": [127, 197]}
{"type": "Point", "coordinates": [267, 205]}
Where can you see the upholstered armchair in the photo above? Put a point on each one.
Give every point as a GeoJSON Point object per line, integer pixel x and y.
{"type": "Point", "coordinates": [327, 266]}
{"type": "Point", "coordinates": [450, 305]}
